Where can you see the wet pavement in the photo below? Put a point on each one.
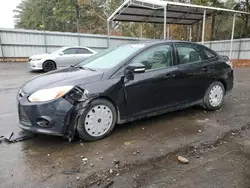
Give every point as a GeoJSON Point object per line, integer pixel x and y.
{"type": "Point", "coordinates": [47, 161]}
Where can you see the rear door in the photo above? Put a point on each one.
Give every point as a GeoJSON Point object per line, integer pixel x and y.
{"type": "Point", "coordinates": [82, 54]}
{"type": "Point", "coordinates": [195, 72]}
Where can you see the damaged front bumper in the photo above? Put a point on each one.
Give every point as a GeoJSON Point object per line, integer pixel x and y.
{"type": "Point", "coordinates": [50, 118]}
{"type": "Point", "coordinates": [58, 117]}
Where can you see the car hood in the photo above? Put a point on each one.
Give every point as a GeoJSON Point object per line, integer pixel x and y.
{"type": "Point", "coordinates": [69, 76]}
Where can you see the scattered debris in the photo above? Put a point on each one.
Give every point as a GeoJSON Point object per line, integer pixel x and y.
{"type": "Point", "coordinates": [199, 131]}
{"type": "Point", "coordinates": [116, 162]}
{"type": "Point", "coordinates": [137, 151]}
{"type": "Point", "coordinates": [117, 174]}
{"type": "Point", "coordinates": [17, 137]}
{"type": "Point", "coordinates": [82, 156]}
{"type": "Point", "coordinates": [97, 153]}
{"type": "Point", "coordinates": [85, 159]}
{"type": "Point", "coordinates": [78, 178]}
{"type": "Point", "coordinates": [108, 184]}
{"type": "Point", "coordinates": [49, 176]}
{"type": "Point", "coordinates": [183, 160]}
{"type": "Point", "coordinates": [92, 165]}
{"type": "Point", "coordinates": [128, 143]}
{"type": "Point", "coordinates": [101, 157]}
{"type": "Point", "coordinates": [98, 182]}
{"type": "Point", "coordinates": [110, 171]}
{"type": "Point", "coordinates": [134, 153]}
{"type": "Point", "coordinates": [134, 176]}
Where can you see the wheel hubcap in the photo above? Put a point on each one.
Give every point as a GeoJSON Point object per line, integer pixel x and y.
{"type": "Point", "coordinates": [98, 120]}
{"type": "Point", "coordinates": [49, 66]}
{"type": "Point", "coordinates": [216, 95]}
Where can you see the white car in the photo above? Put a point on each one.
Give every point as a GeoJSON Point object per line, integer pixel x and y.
{"type": "Point", "coordinates": [62, 57]}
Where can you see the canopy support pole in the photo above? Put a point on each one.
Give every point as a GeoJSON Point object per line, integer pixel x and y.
{"type": "Point", "coordinates": [190, 33]}
{"type": "Point", "coordinates": [168, 35]}
{"type": "Point", "coordinates": [165, 22]}
{"type": "Point", "coordinates": [232, 37]}
{"type": "Point", "coordinates": [204, 26]}
{"type": "Point", "coordinates": [108, 39]}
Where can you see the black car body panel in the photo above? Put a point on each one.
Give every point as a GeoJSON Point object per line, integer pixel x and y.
{"type": "Point", "coordinates": [62, 77]}
{"type": "Point", "coordinates": [150, 93]}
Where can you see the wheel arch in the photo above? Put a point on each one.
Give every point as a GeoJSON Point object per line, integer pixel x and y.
{"type": "Point", "coordinates": [224, 83]}
{"type": "Point", "coordinates": [219, 80]}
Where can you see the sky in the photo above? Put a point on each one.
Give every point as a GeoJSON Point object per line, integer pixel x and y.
{"type": "Point", "coordinates": [6, 13]}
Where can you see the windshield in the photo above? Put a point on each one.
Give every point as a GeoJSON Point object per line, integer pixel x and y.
{"type": "Point", "coordinates": [111, 57]}
{"type": "Point", "coordinates": [58, 51]}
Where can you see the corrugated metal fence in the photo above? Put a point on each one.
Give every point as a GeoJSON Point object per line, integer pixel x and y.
{"type": "Point", "coordinates": [241, 48]}
{"type": "Point", "coordinates": [16, 43]}
{"type": "Point", "coordinates": [24, 43]}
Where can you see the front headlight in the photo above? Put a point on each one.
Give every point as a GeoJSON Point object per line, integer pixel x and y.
{"type": "Point", "coordinates": [49, 94]}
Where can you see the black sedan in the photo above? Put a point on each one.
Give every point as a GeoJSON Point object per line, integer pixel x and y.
{"type": "Point", "coordinates": [123, 84]}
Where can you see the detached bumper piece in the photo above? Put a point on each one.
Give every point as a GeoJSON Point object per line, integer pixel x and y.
{"type": "Point", "coordinates": [50, 118]}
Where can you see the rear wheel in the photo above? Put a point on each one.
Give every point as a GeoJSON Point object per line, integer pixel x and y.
{"type": "Point", "coordinates": [97, 121]}
{"type": "Point", "coordinates": [49, 66]}
{"type": "Point", "coordinates": [214, 96]}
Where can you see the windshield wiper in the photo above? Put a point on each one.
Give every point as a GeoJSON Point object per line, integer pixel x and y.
{"type": "Point", "coordinates": [84, 68]}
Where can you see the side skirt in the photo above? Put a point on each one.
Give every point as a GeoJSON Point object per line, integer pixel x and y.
{"type": "Point", "coordinates": [163, 111]}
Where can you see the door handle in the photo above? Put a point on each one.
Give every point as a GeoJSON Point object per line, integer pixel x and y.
{"type": "Point", "coordinates": [169, 76]}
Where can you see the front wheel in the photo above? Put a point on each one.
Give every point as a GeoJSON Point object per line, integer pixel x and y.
{"type": "Point", "coordinates": [97, 121]}
{"type": "Point", "coordinates": [214, 96]}
{"type": "Point", "coordinates": [49, 66]}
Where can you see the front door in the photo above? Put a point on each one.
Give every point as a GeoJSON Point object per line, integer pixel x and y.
{"type": "Point", "coordinates": [156, 88]}
{"type": "Point", "coordinates": [67, 58]}
{"type": "Point", "coordinates": [195, 72]}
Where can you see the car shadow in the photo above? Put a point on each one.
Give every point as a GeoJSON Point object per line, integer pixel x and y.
{"type": "Point", "coordinates": [133, 129]}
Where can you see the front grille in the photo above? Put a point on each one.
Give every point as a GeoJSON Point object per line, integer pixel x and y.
{"type": "Point", "coordinates": [23, 117]}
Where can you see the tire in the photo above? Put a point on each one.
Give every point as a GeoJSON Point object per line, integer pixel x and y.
{"type": "Point", "coordinates": [49, 66]}
{"type": "Point", "coordinates": [214, 96]}
{"type": "Point", "coordinates": [105, 119]}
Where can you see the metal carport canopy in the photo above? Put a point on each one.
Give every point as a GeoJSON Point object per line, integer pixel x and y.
{"type": "Point", "coordinates": [167, 12]}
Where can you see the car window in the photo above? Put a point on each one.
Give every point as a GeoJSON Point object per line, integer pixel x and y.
{"type": "Point", "coordinates": [189, 53]}
{"type": "Point", "coordinates": [156, 57]}
{"type": "Point", "coordinates": [69, 51]}
{"type": "Point", "coordinates": [83, 51]}
{"type": "Point", "coordinates": [209, 53]}
{"type": "Point", "coordinates": [111, 57]}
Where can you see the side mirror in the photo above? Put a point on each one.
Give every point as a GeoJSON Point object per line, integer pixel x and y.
{"type": "Point", "coordinates": [61, 53]}
{"type": "Point", "coordinates": [224, 57]}
{"type": "Point", "coordinates": [136, 68]}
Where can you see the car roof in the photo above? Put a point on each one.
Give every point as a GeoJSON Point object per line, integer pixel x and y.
{"type": "Point", "coordinates": [155, 42]}
{"type": "Point", "coordinates": [84, 47]}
